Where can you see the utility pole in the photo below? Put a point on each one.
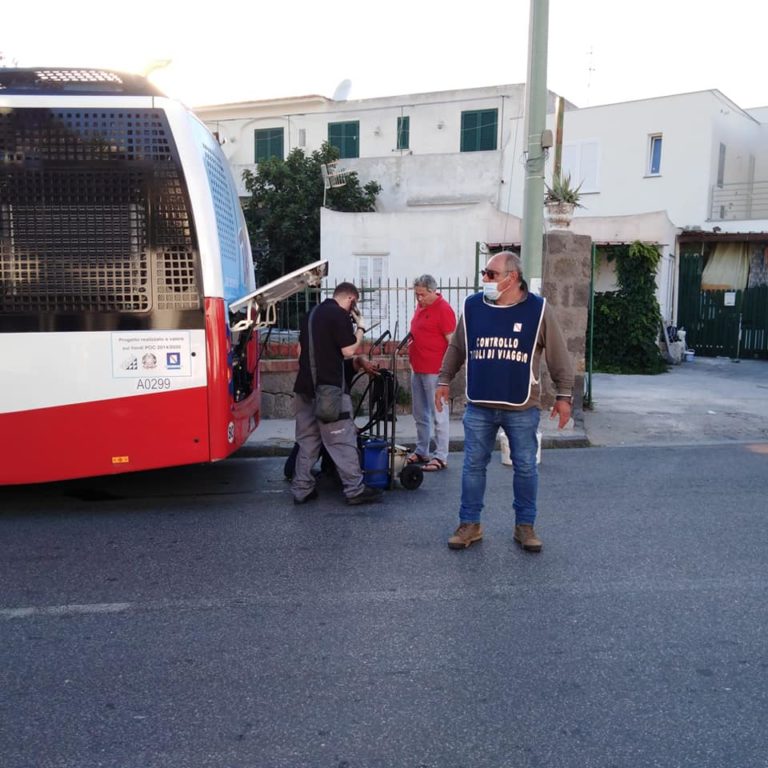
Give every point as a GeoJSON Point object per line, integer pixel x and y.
{"type": "Point", "coordinates": [535, 125]}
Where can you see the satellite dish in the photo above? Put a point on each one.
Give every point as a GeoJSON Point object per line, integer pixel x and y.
{"type": "Point", "coordinates": [342, 90]}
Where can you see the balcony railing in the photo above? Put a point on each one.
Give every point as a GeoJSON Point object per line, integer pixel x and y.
{"type": "Point", "coordinates": [739, 201]}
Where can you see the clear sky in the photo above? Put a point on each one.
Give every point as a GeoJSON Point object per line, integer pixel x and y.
{"type": "Point", "coordinates": [600, 51]}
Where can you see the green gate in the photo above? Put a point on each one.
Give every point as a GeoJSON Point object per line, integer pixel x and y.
{"type": "Point", "coordinates": [754, 323]}
{"type": "Point", "coordinates": [712, 327]}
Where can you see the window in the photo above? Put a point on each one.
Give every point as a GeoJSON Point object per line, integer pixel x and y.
{"type": "Point", "coordinates": [582, 161]}
{"type": "Point", "coordinates": [345, 137]}
{"type": "Point", "coordinates": [403, 132]}
{"type": "Point", "coordinates": [269, 143]}
{"type": "Point", "coordinates": [721, 166]}
{"type": "Point", "coordinates": [479, 129]}
{"type": "Point", "coordinates": [654, 155]}
{"type": "Point", "coordinates": [372, 271]}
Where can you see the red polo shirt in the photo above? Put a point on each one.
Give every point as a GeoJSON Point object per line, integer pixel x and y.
{"type": "Point", "coordinates": [428, 328]}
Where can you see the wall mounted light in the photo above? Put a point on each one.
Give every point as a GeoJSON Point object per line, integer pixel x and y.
{"type": "Point", "coordinates": [440, 125]}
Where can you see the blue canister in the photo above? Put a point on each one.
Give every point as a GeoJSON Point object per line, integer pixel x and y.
{"type": "Point", "coordinates": [376, 463]}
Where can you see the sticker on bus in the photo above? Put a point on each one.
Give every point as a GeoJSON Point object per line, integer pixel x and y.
{"type": "Point", "coordinates": [160, 353]}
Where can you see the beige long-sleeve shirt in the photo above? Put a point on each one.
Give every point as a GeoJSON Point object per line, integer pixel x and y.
{"type": "Point", "coordinates": [550, 342]}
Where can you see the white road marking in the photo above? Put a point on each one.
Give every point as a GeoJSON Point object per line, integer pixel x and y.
{"type": "Point", "coordinates": [63, 610]}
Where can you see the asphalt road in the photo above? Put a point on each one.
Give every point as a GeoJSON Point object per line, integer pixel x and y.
{"type": "Point", "coordinates": [195, 617]}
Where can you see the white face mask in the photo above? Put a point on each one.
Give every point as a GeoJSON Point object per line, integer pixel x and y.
{"type": "Point", "coordinates": [491, 291]}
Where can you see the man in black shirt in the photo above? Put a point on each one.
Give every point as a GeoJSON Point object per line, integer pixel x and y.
{"type": "Point", "coordinates": [335, 344]}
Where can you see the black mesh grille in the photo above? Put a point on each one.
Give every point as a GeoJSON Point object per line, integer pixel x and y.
{"type": "Point", "coordinates": [62, 264]}
{"type": "Point", "coordinates": [94, 216]}
{"type": "Point", "coordinates": [76, 76]}
{"type": "Point", "coordinates": [74, 81]}
{"type": "Point", "coordinates": [74, 135]}
{"type": "Point", "coordinates": [226, 223]}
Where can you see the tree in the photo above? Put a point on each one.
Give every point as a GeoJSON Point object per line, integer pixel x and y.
{"type": "Point", "coordinates": [283, 213]}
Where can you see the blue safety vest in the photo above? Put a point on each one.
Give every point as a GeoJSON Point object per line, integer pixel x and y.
{"type": "Point", "coordinates": [500, 345]}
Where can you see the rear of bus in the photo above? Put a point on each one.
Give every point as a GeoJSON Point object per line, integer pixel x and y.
{"type": "Point", "coordinates": [122, 244]}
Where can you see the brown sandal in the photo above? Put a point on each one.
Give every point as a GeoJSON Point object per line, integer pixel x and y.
{"type": "Point", "coordinates": [415, 458]}
{"type": "Point", "coordinates": [435, 465]}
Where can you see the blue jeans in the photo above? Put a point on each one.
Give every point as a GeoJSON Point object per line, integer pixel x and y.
{"type": "Point", "coordinates": [423, 386]}
{"type": "Point", "coordinates": [480, 427]}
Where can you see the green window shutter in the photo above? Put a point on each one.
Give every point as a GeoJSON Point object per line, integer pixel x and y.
{"type": "Point", "coordinates": [479, 130]}
{"type": "Point", "coordinates": [335, 137]}
{"type": "Point", "coordinates": [469, 131]}
{"type": "Point", "coordinates": [345, 137]}
{"type": "Point", "coordinates": [268, 143]}
{"type": "Point", "coordinates": [403, 132]}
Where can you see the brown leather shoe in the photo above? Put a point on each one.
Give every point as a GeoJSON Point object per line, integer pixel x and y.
{"type": "Point", "coordinates": [526, 537]}
{"type": "Point", "coordinates": [466, 535]}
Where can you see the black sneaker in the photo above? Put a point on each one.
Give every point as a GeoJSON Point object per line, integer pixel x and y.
{"type": "Point", "coordinates": [366, 496]}
{"type": "Point", "coordinates": [311, 496]}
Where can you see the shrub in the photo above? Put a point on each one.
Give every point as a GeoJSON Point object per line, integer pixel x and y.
{"type": "Point", "coordinates": [627, 321]}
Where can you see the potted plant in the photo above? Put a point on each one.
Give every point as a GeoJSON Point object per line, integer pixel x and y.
{"type": "Point", "coordinates": [560, 201]}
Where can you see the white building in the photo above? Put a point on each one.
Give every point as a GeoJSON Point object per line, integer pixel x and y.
{"type": "Point", "coordinates": [451, 169]}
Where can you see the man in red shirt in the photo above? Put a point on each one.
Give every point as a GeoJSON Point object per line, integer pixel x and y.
{"type": "Point", "coordinates": [432, 325]}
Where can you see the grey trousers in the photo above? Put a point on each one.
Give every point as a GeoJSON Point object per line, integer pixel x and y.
{"type": "Point", "coordinates": [339, 439]}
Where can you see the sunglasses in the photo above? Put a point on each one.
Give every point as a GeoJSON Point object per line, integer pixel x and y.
{"type": "Point", "coordinates": [492, 273]}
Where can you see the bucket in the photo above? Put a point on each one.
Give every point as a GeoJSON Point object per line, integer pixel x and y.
{"type": "Point", "coordinates": [690, 355]}
{"type": "Point", "coordinates": [376, 463]}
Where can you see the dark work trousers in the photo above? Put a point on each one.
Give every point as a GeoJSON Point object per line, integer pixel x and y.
{"type": "Point", "coordinates": [339, 439]}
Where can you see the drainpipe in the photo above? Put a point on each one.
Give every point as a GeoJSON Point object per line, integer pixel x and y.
{"type": "Point", "coordinates": [477, 266]}
{"type": "Point", "coordinates": [559, 124]}
{"type": "Point", "coordinates": [535, 124]}
{"type": "Point", "coordinates": [479, 249]}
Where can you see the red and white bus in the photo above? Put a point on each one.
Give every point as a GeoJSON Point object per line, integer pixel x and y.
{"type": "Point", "coordinates": [128, 311]}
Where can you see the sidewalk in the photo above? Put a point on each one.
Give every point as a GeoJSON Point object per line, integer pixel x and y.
{"type": "Point", "coordinates": [710, 400]}
{"type": "Point", "coordinates": [274, 437]}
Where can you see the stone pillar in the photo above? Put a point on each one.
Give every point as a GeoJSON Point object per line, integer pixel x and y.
{"type": "Point", "coordinates": [566, 268]}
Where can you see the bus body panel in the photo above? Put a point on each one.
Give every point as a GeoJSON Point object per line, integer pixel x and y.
{"type": "Point", "coordinates": [135, 387]}
{"type": "Point", "coordinates": [231, 422]}
{"type": "Point", "coordinates": [111, 413]}
{"type": "Point", "coordinates": [227, 274]}
{"type": "Point", "coordinates": [105, 437]}
{"type": "Point", "coordinates": [45, 370]}
{"type": "Point", "coordinates": [226, 260]}
{"type": "Point", "coordinates": [93, 403]}
{"type": "Point", "coordinates": [53, 101]}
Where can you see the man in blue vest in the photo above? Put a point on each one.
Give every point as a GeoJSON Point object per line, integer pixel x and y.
{"type": "Point", "coordinates": [501, 336]}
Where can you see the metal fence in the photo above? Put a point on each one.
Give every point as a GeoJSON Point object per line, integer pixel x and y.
{"type": "Point", "coordinates": [387, 305]}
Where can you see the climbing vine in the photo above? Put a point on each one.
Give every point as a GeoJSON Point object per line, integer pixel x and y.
{"type": "Point", "coordinates": [627, 321]}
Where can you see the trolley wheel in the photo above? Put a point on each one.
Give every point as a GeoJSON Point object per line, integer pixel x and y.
{"type": "Point", "coordinates": [411, 477]}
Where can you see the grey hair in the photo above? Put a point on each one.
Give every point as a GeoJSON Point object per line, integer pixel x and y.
{"type": "Point", "coordinates": [512, 262]}
{"type": "Point", "coordinates": [425, 281]}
